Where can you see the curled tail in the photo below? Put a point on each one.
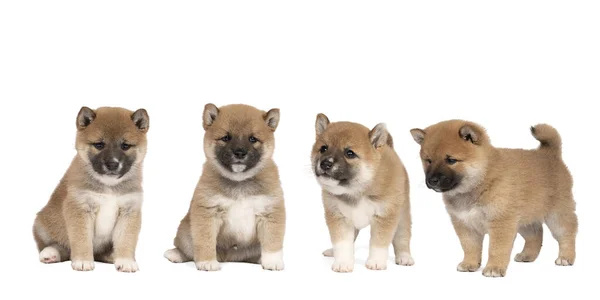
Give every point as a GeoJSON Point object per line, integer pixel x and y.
{"type": "Point", "coordinates": [548, 136]}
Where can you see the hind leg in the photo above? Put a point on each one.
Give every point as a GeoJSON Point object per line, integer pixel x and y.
{"type": "Point", "coordinates": [53, 254]}
{"type": "Point", "coordinates": [183, 251]}
{"type": "Point", "coordinates": [563, 226]}
{"type": "Point", "coordinates": [49, 250]}
{"type": "Point", "coordinates": [533, 235]}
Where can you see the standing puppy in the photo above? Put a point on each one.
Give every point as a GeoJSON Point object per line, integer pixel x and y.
{"type": "Point", "coordinates": [95, 211]}
{"type": "Point", "coordinates": [500, 192]}
{"type": "Point", "coordinates": [364, 183]}
{"type": "Point", "coordinates": [237, 213]}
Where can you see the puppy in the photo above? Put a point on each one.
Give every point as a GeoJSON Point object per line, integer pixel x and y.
{"type": "Point", "coordinates": [94, 213]}
{"type": "Point", "coordinates": [363, 183]}
{"type": "Point", "coordinates": [237, 213]}
{"type": "Point", "coordinates": [500, 192]}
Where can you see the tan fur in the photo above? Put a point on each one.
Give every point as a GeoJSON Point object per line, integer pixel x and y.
{"type": "Point", "coordinates": [380, 200]}
{"type": "Point", "coordinates": [67, 222]}
{"type": "Point", "coordinates": [503, 191]}
{"type": "Point", "coordinates": [206, 234]}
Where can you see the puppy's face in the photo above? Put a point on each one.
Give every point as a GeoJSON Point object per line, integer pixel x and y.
{"type": "Point", "coordinates": [453, 154]}
{"type": "Point", "coordinates": [112, 141]}
{"type": "Point", "coordinates": [239, 139]}
{"type": "Point", "coordinates": [345, 155]}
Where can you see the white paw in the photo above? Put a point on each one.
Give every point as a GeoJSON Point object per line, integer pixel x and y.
{"type": "Point", "coordinates": [174, 255]}
{"type": "Point", "coordinates": [272, 260]}
{"type": "Point", "coordinates": [343, 266]}
{"type": "Point", "coordinates": [328, 252]}
{"type": "Point", "coordinates": [49, 255]}
{"type": "Point", "coordinates": [212, 265]}
{"type": "Point", "coordinates": [494, 272]}
{"type": "Point", "coordinates": [126, 265]}
{"type": "Point", "coordinates": [82, 265]}
{"type": "Point", "coordinates": [376, 264]}
{"type": "Point", "coordinates": [561, 261]}
{"type": "Point", "coordinates": [405, 259]}
{"type": "Point", "coordinates": [377, 258]}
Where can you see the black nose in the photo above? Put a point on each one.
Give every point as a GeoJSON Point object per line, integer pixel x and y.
{"type": "Point", "coordinates": [240, 153]}
{"type": "Point", "coordinates": [326, 165]}
{"type": "Point", "coordinates": [112, 165]}
{"type": "Point", "coordinates": [434, 180]}
{"type": "Point", "coordinates": [439, 180]}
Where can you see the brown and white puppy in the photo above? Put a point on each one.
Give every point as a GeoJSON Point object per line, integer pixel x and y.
{"type": "Point", "coordinates": [237, 213]}
{"type": "Point", "coordinates": [364, 183]}
{"type": "Point", "coordinates": [94, 213]}
{"type": "Point", "coordinates": [500, 192]}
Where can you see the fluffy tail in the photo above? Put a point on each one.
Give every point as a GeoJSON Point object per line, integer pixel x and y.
{"type": "Point", "coordinates": [548, 136]}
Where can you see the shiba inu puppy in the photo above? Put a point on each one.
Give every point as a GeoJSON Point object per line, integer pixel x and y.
{"type": "Point", "coordinates": [364, 183]}
{"type": "Point", "coordinates": [237, 213]}
{"type": "Point", "coordinates": [94, 213]}
{"type": "Point", "coordinates": [500, 192]}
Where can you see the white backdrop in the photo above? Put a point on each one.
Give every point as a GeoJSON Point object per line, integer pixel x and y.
{"type": "Point", "coordinates": [506, 65]}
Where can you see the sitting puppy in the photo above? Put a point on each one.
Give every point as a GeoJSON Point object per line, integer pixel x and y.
{"type": "Point", "coordinates": [94, 213]}
{"type": "Point", "coordinates": [500, 192]}
{"type": "Point", "coordinates": [237, 213]}
{"type": "Point", "coordinates": [364, 183]}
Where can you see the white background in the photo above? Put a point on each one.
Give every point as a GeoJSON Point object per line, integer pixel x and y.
{"type": "Point", "coordinates": [504, 64]}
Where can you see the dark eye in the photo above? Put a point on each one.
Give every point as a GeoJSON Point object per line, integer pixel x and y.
{"type": "Point", "coordinates": [226, 138]}
{"type": "Point", "coordinates": [253, 140]}
{"type": "Point", "coordinates": [451, 161]}
{"type": "Point", "coordinates": [99, 145]}
{"type": "Point", "coordinates": [323, 149]}
{"type": "Point", "coordinates": [428, 161]}
{"type": "Point", "coordinates": [350, 154]}
{"type": "Point", "coordinates": [125, 147]}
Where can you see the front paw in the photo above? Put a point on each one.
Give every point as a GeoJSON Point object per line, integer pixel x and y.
{"type": "Point", "coordinates": [211, 265]}
{"type": "Point", "coordinates": [494, 271]}
{"type": "Point", "coordinates": [82, 265]}
{"type": "Point", "coordinates": [126, 265]}
{"type": "Point", "coordinates": [272, 261]}
{"type": "Point", "coordinates": [405, 259]}
{"type": "Point", "coordinates": [564, 261]}
{"type": "Point", "coordinates": [343, 266]}
{"type": "Point", "coordinates": [466, 266]}
{"type": "Point", "coordinates": [376, 264]}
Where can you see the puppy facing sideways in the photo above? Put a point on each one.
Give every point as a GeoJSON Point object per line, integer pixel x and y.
{"type": "Point", "coordinates": [237, 213]}
{"type": "Point", "coordinates": [500, 192]}
{"type": "Point", "coordinates": [364, 183]}
{"type": "Point", "coordinates": [94, 213]}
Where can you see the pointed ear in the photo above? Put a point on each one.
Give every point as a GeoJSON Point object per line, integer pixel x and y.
{"type": "Point", "coordinates": [85, 117]}
{"type": "Point", "coordinates": [272, 118]}
{"type": "Point", "coordinates": [141, 120]}
{"type": "Point", "coordinates": [209, 115]}
{"type": "Point", "coordinates": [418, 135]}
{"type": "Point", "coordinates": [379, 136]}
{"type": "Point", "coordinates": [321, 123]}
{"type": "Point", "coordinates": [471, 133]}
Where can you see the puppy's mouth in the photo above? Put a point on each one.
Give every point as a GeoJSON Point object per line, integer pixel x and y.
{"type": "Point", "coordinates": [238, 168]}
{"type": "Point", "coordinates": [444, 189]}
{"type": "Point", "coordinates": [329, 179]}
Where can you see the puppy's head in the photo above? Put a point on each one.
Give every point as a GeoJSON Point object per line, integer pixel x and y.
{"type": "Point", "coordinates": [239, 139]}
{"type": "Point", "coordinates": [454, 155]}
{"type": "Point", "coordinates": [111, 141]}
{"type": "Point", "coordinates": [346, 155]}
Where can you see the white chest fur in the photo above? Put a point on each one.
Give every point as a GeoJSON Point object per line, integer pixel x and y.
{"type": "Point", "coordinates": [239, 217]}
{"type": "Point", "coordinates": [106, 207]}
{"type": "Point", "coordinates": [473, 217]}
{"type": "Point", "coordinates": [361, 214]}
